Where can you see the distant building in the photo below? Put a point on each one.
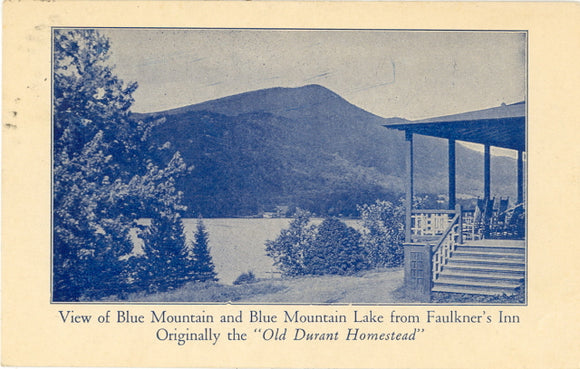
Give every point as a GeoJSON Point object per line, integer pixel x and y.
{"type": "Point", "coordinates": [280, 211]}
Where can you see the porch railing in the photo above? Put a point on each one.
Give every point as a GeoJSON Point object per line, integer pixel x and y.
{"type": "Point", "coordinates": [430, 224]}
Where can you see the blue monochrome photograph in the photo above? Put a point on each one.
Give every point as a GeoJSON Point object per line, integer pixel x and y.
{"type": "Point", "coordinates": [289, 166]}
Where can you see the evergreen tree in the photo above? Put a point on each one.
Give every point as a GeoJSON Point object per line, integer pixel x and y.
{"type": "Point", "coordinates": [289, 249]}
{"type": "Point", "coordinates": [203, 267]}
{"type": "Point", "coordinates": [336, 250]}
{"type": "Point", "coordinates": [163, 265]}
{"type": "Point", "coordinates": [102, 181]}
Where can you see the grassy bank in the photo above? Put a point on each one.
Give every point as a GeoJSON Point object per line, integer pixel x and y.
{"type": "Point", "coordinates": [383, 286]}
{"type": "Point", "coordinates": [377, 286]}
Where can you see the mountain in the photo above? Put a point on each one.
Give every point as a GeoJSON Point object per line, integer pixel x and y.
{"type": "Point", "coordinates": [299, 147]}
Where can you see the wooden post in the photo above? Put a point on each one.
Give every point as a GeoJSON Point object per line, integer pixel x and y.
{"type": "Point", "coordinates": [418, 280]}
{"type": "Point", "coordinates": [487, 173]}
{"type": "Point", "coordinates": [451, 159]}
{"type": "Point", "coordinates": [409, 186]}
{"type": "Point", "coordinates": [520, 177]}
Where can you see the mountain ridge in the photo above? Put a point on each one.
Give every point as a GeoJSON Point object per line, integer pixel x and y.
{"type": "Point", "coordinates": [299, 147]}
{"type": "Point", "coordinates": [237, 104]}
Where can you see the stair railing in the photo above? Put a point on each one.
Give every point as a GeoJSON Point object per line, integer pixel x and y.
{"type": "Point", "coordinates": [445, 246]}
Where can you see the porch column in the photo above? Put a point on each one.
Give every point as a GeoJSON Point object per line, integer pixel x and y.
{"type": "Point", "coordinates": [451, 159]}
{"type": "Point", "coordinates": [520, 177]}
{"type": "Point", "coordinates": [486, 189]}
{"type": "Point", "coordinates": [487, 173]}
{"type": "Point", "coordinates": [409, 186]}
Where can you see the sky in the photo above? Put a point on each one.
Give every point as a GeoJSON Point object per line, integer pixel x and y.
{"type": "Point", "coordinates": [408, 74]}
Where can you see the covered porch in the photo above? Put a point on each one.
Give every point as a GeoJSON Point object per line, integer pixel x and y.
{"type": "Point", "coordinates": [433, 236]}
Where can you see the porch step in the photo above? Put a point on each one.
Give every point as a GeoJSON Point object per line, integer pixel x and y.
{"type": "Point", "coordinates": [484, 278]}
{"type": "Point", "coordinates": [486, 267]}
{"type": "Point", "coordinates": [482, 262]}
{"type": "Point", "coordinates": [520, 250]}
{"type": "Point", "coordinates": [473, 289]}
{"type": "Point", "coordinates": [487, 255]}
{"type": "Point", "coordinates": [496, 243]}
{"type": "Point", "coordinates": [485, 270]}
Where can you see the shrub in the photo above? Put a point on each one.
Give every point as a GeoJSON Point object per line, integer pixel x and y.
{"type": "Point", "coordinates": [245, 278]}
{"type": "Point", "coordinates": [336, 249]}
{"type": "Point", "coordinates": [331, 248]}
{"type": "Point", "coordinates": [384, 233]}
{"type": "Point", "coordinates": [289, 248]}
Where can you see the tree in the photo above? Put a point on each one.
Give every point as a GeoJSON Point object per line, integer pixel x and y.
{"type": "Point", "coordinates": [336, 250]}
{"type": "Point", "coordinates": [384, 233]}
{"type": "Point", "coordinates": [88, 238]}
{"type": "Point", "coordinates": [289, 249]}
{"type": "Point", "coordinates": [90, 235]}
{"type": "Point", "coordinates": [102, 178]}
{"type": "Point", "coordinates": [164, 265]}
{"type": "Point", "coordinates": [88, 97]}
{"type": "Point", "coordinates": [203, 268]}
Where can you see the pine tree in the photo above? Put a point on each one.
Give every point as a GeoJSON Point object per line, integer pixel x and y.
{"type": "Point", "coordinates": [203, 267]}
{"type": "Point", "coordinates": [163, 266]}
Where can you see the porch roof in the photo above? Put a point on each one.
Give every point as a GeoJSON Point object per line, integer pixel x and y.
{"type": "Point", "coordinates": [503, 126]}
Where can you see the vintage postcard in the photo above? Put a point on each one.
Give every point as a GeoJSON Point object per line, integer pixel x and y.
{"type": "Point", "coordinates": [231, 184]}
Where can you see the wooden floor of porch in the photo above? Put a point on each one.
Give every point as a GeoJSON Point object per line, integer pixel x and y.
{"type": "Point", "coordinates": [496, 243]}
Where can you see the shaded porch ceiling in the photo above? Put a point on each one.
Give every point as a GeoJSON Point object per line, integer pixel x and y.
{"type": "Point", "coordinates": [503, 126]}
